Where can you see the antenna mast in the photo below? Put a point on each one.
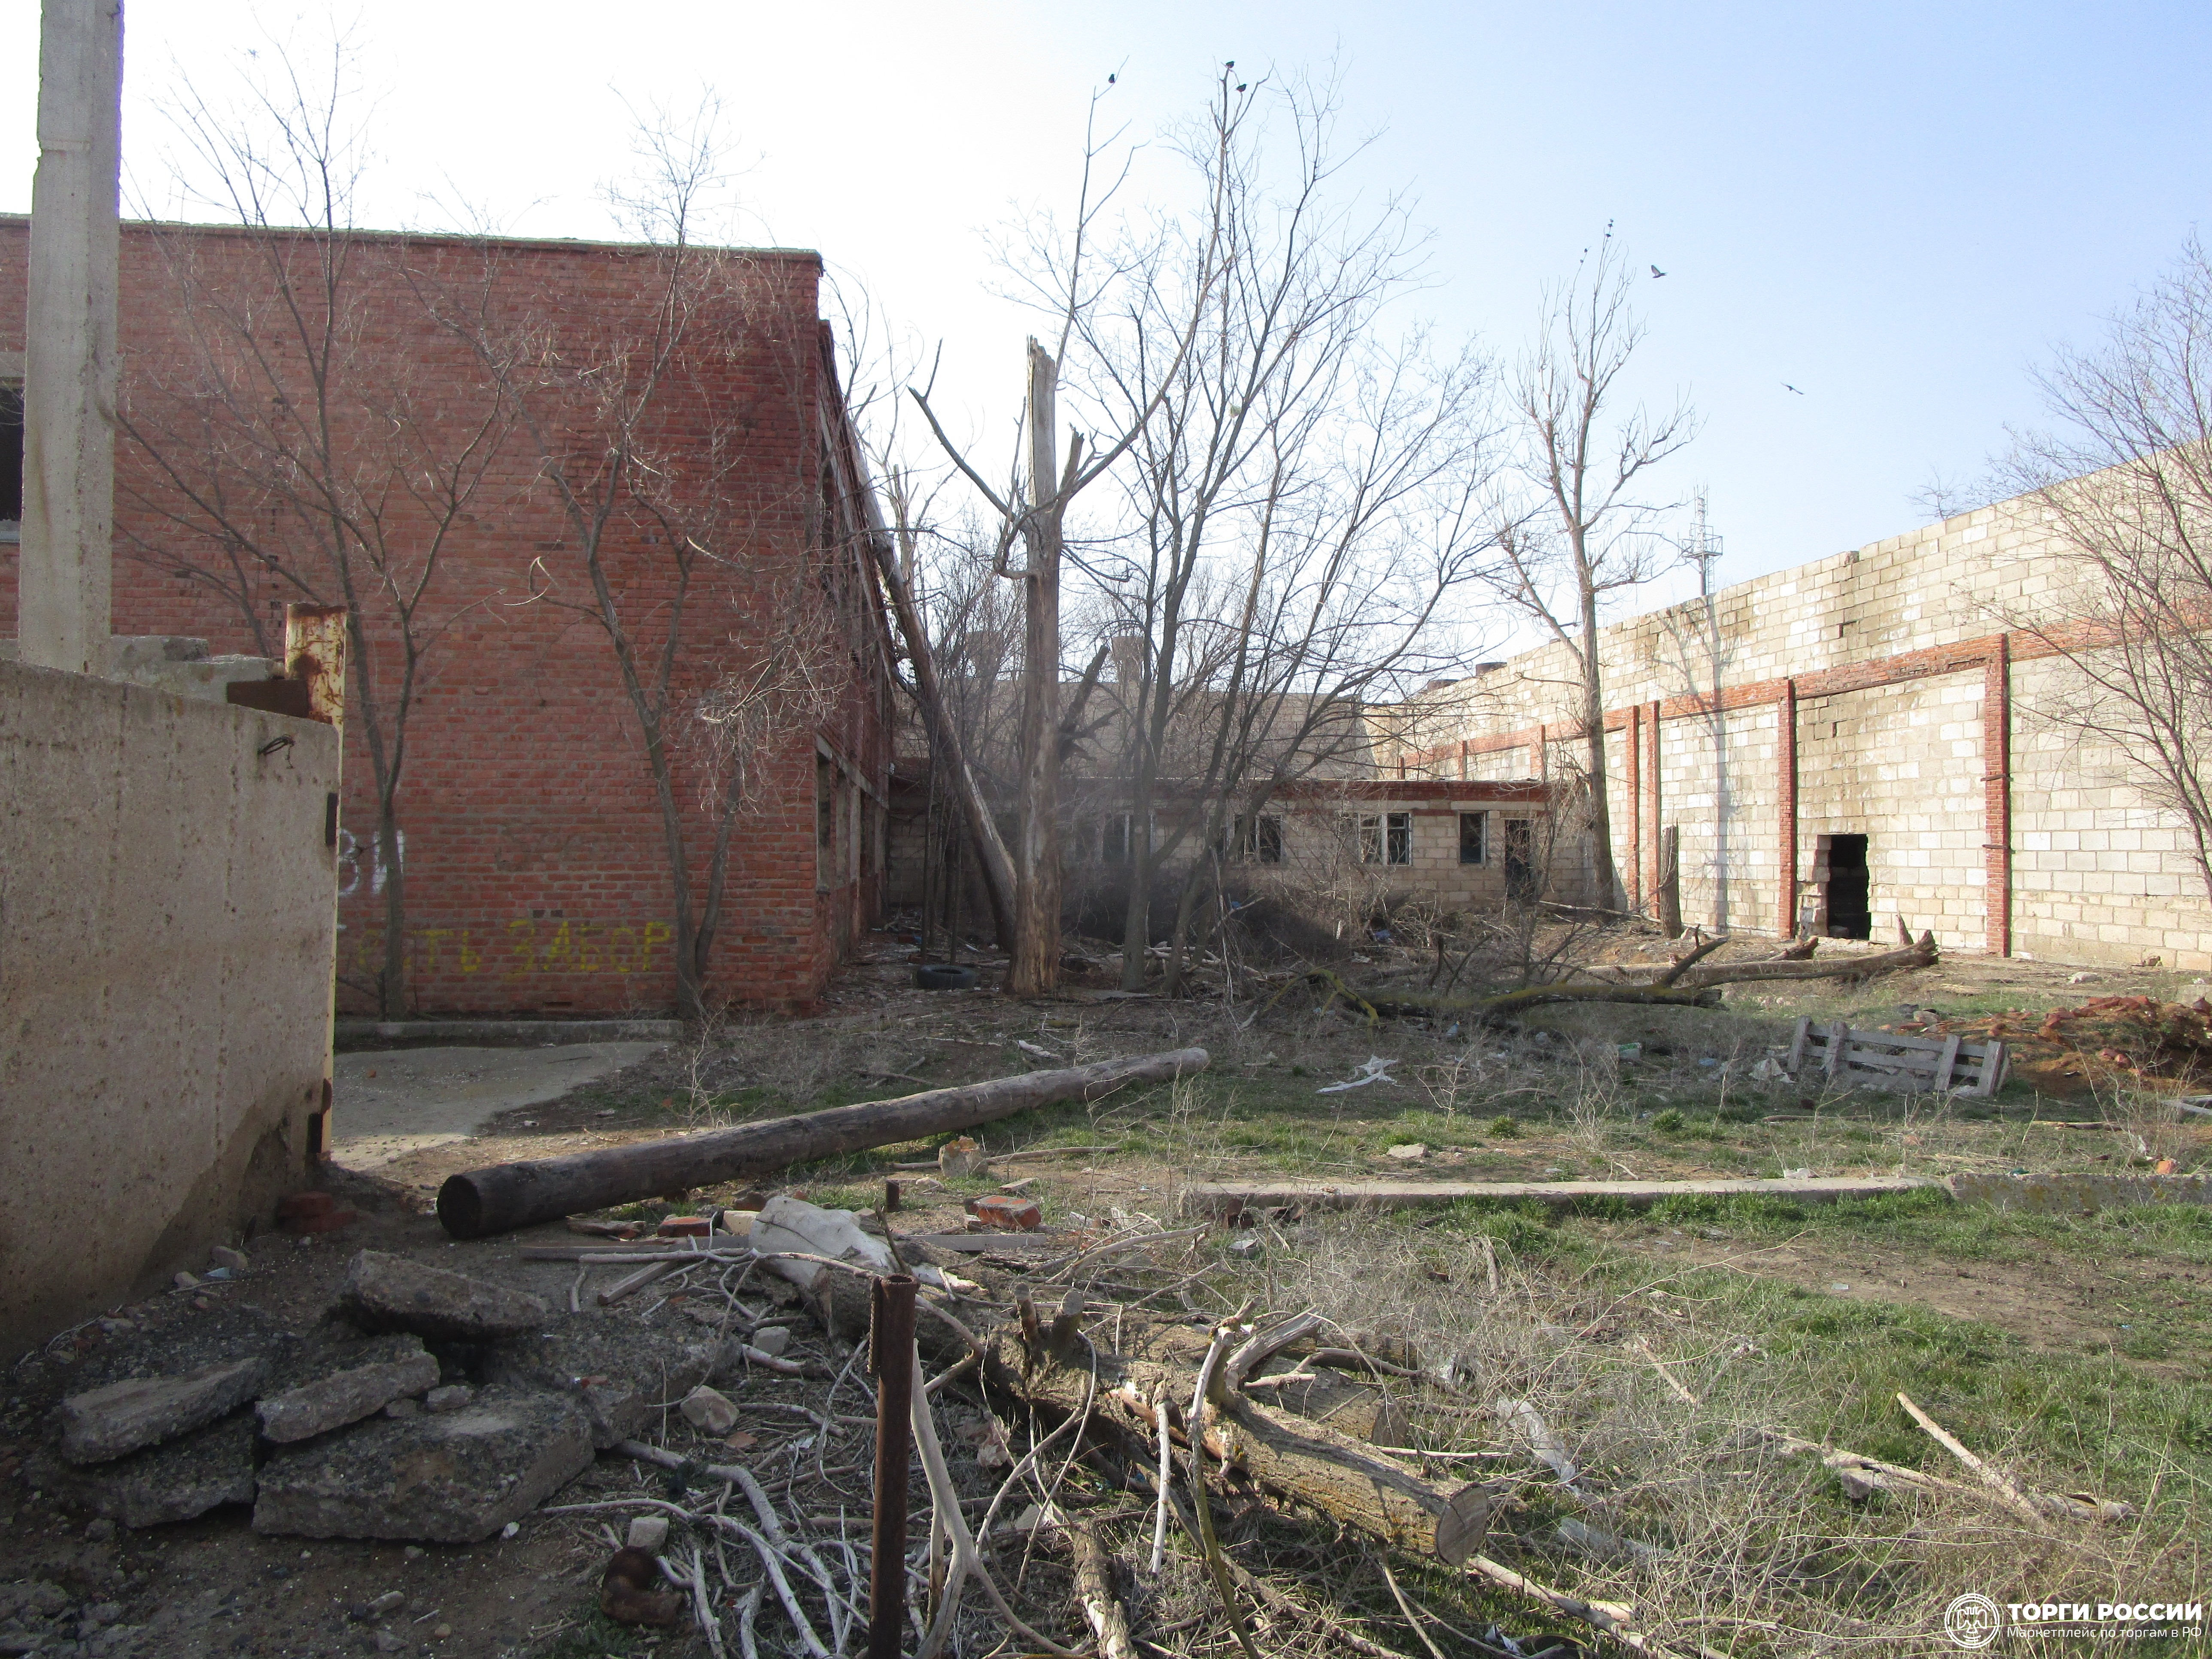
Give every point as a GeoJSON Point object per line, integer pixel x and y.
{"type": "Point", "coordinates": [1702, 545]}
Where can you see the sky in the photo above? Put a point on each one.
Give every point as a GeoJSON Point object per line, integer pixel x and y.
{"type": "Point", "coordinates": [1898, 209]}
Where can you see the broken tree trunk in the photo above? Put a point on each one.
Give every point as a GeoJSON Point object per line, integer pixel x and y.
{"type": "Point", "coordinates": [1689, 987]}
{"type": "Point", "coordinates": [503, 1196]}
{"type": "Point", "coordinates": [992, 856]}
{"type": "Point", "coordinates": [1303, 1463]}
{"type": "Point", "coordinates": [1921, 954]}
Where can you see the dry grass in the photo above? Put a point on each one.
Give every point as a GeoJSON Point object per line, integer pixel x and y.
{"type": "Point", "coordinates": [1716, 1539]}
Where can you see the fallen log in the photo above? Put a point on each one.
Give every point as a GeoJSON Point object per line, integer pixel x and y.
{"type": "Point", "coordinates": [1682, 985]}
{"type": "Point", "coordinates": [1921, 954]}
{"type": "Point", "coordinates": [1229, 1199]}
{"type": "Point", "coordinates": [503, 1196]}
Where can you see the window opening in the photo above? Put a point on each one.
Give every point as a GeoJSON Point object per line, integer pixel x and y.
{"type": "Point", "coordinates": [1473, 837]}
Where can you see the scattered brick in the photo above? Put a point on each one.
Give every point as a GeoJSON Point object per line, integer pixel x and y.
{"type": "Point", "coordinates": [1008, 1214]}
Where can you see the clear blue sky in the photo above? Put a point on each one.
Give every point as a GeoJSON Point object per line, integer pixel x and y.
{"type": "Point", "coordinates": [1896, 208]}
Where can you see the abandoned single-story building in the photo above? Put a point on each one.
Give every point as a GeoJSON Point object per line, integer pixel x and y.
{"type": "Point", "coordinates": [600, 515]}
{"type": "Point", "coordinates": [1328, 825]}
{"type": "Point", "coordinates": [1877, 737]}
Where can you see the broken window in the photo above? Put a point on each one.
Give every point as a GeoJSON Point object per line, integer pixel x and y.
{"type": "Point", "coordinates": [1257, 841]}
{"type": "Point", "coordinates": [11, 463]}
{"type": "Point", "coordinates": [1387, 838]}
{"type": "Point", "coordinates": [1473, 837]}
{"type": "Point", "coordinates": [1114, 839]}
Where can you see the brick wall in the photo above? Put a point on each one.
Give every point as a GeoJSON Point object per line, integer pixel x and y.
{"type": "Point", "coordinates": [1888, 656]}
{"type": "Point", "coordinates": [536, 867]}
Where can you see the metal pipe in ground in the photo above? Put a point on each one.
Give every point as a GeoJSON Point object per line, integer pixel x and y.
{"type": "Point", "coordinates": [890, 1364]}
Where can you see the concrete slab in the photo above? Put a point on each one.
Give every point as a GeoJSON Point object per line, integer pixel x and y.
{"type": "Point", "coordinates": [391, 1102]}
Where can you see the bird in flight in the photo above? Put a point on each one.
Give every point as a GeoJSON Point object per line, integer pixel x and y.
{"type": "Point", "coordinates": [1786, 386]}
{"type": "Point", "coordinates": [1657, 272]}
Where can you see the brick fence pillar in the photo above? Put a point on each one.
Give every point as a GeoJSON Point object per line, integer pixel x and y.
{"type": "Point", "coordinates": [1996, 797]}
{"type": "Point", "coordinates": [1785, 750]}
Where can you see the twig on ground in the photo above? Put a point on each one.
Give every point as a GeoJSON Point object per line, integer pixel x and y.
{"type": "Point", "coordinates": [2011, 1495]}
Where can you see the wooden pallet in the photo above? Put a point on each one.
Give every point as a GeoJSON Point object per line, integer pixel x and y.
{"type": "Point", "coordinates": [1887, 1060]}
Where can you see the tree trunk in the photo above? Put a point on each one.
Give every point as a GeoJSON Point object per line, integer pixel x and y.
{"type": "Point", "coordinates": [1609, 896]}
{"type": "Point", "coordinates": [391, 979]}
{"type": "Point", "coordinates": [991, 854]}
{"type": "Point", "coordinates": [503, 1196]}
{"type": "Point", "coordinates": [1035, 970]}
{"type": "Point", "coordinates": [1670, 881]}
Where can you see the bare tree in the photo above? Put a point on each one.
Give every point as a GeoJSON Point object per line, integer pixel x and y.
{"type": "Point", "coordinates": [640, 435]}
{"type": "Point", "coordinates": [1033, 509]}
{"type": "Point", "coordinates": [1299, 497]}
{"type": "Point", "coordinates": [2127, 483]}
{"type": "Point", "coordinates": [1590, 534]}
{"type": "Point", "coordinates": [281, 449]}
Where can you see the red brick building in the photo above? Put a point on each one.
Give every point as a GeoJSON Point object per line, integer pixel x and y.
{"type": "Point", "coordinates": [602, 515]}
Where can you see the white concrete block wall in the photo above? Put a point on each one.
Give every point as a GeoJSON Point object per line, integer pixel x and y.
{"type": "Point", "coordinates": [2099, 873]}
{"type": "Point", "coordinates": [1901, 765]}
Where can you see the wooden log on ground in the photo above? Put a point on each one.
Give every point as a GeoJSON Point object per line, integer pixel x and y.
{"type": "Point", "coordinates": [1420, 1003]}
{"type": "Point", "coordinates": [1095, 1594]}
{"type": "Point", "coordinates": [504, 1196]}
{"type": "Point", "coordinates": [1690, 985]}
{"type": "Point", "coordinates": [1231, 1198]}
{"type": "Point", "coordinates": [1304, 1464]}
{"type": "Point", "coordinates": [1919, 955]}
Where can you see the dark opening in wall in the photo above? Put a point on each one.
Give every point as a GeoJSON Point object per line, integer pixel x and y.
{"type": "Point", "coordinates": [1846, 900]}
{"type": "Point", "coordinates": [1521, 878]}
{"type": "Point", "coordinates": [11, 461]}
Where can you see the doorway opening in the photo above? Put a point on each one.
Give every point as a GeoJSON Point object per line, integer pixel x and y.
{"type": "Point", "coordinates": [1846, 899]}
{"type": "Point", "coordinates": [1521, 878]}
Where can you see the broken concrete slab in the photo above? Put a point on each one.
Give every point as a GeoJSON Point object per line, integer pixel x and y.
{"type": "Point", "coordinates": [350, 1381]}
{"type": "Point", "coordinates": [187, 1477]}
{"type": "Point", "coordinates": [111, 1422]}
{"type": "Point", "coordinates": [2077, 1194]}
{"type": "Point", "coordinates": [386, 1293]}
{"type": "Point", "coordinates": [621, 1370]}
{"type": "Point", "coordinates": [451, 1478]}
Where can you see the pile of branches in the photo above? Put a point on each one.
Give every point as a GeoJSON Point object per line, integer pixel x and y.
{"type": "Point", "coordinates": [1108, 1411]}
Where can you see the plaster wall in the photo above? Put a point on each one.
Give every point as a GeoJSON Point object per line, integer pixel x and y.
{"type": "Point", "coordinates": [167, 920]}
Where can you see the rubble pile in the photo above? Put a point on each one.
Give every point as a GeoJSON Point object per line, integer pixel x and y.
{"type": "Point", "coordinates": [427, 1405]}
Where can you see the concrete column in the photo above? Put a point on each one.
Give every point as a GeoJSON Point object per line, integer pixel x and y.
{"type": "Point", "coordinates": [1997, 799]}
{"type": "Point", "coordinates": [68, 362]}
{"type": "Point", "coordinates": [1655, 829]}
{"type": "Point", "coordinates": [1785, 753]}
{"type": "Point", "coordinates": [1632, 742]}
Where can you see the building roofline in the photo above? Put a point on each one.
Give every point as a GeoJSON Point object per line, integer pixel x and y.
{"type": "Point", "coordinates": [568, 244]}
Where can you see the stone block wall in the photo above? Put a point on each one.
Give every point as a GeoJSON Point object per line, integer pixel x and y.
{"type": "Point", "coordinates": [1924, 721]}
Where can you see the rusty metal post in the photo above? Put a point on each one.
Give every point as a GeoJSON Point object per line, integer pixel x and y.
{"type": "Point", "coordinates": [890, 1363]}
{"type": "Point", "coordinates": [315, 655]}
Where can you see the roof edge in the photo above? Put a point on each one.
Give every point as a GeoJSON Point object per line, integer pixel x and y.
{"type": "Point", "coordinates": [572, 244]}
